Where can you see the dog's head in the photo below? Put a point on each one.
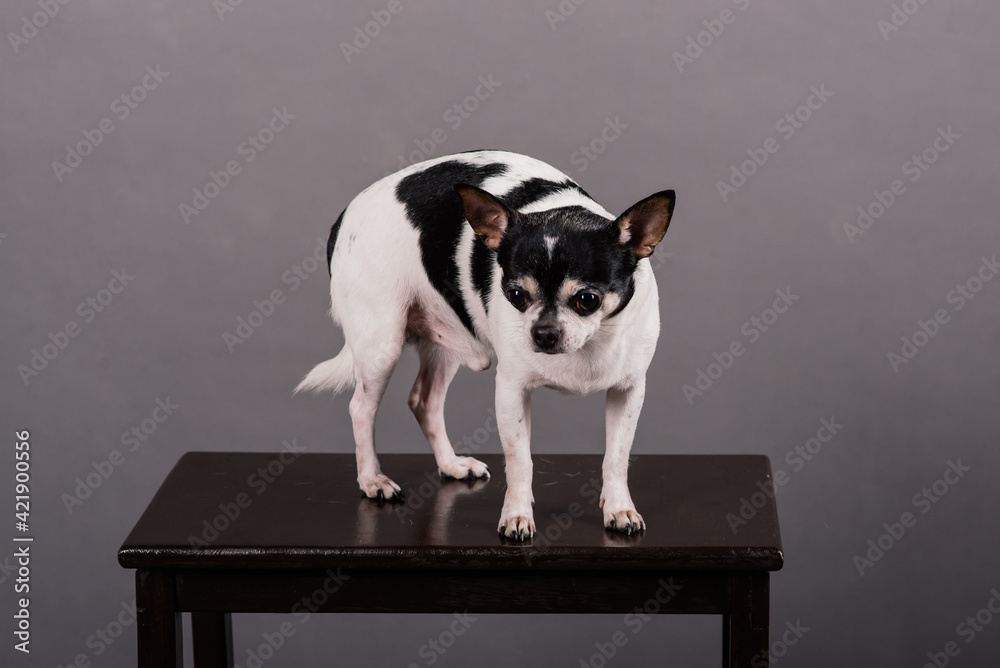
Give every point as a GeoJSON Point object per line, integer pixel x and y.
{"type": "Point", "coordinates": [566, 269]}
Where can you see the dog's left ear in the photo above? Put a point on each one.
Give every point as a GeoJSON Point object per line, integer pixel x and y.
{"type": "Point", "coordinates": [645, 223]}
{"type": "Point", "coordinates": [487, 215]}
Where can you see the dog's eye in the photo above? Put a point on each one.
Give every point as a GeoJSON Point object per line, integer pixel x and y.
{"type": "Point", "coordinates": [518, 298]}
{"type": "Point", "coordinates": [586, 302]}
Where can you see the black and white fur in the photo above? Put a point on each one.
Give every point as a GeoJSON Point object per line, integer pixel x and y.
{"type": "Point", "coordinates": [491, 253]}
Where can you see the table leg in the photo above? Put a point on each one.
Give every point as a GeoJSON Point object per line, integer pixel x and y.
{"type": "Point", "coordinates": [213, 639]}
{"type": "Point", "coordinates": [159, 622]}
{"type": "Point", "coordinates": [745, 627]}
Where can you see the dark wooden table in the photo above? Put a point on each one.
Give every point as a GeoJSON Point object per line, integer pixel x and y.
{"type": "Point", "coordinates": [261, 532]}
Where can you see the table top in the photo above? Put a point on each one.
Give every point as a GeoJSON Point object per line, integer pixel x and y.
{"type": "Point", "coordinates": [271, 510]}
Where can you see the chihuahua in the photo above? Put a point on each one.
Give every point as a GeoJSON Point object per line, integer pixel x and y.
{"type": "Point", "coordinates": [492, 253]}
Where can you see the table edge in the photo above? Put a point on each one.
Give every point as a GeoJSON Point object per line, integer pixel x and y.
{"type": "Point", "coordinates": [764, 558]}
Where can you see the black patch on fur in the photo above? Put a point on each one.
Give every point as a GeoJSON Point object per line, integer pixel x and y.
{"type": "Point", "coordinates": [435, 210]}
{"type": "Point", "coordinates": [586, 249]}
{"type": "Point", "coordinates": [535, 189]}
{"type": "Point", "coordinates": [626, 297]}
{"type": "Point", "coordinates": [332, 241]}
{"type": "Point", "coordinates": [484, 259]}
{"type": "Point", "coordinates": [569, 182]}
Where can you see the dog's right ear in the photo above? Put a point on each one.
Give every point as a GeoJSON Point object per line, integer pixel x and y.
{"type": "Point", "coordinates": [486, 214]}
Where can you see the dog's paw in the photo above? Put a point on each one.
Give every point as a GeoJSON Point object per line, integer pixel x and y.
{"type": "Point", "coordinates": [624, 520]}
{"type": "Point", "coordinates": [464, 467]}
{"type": "Point", "coordinates": [516, 526]}
{"type": "Point", "coordinates": [381, 488]}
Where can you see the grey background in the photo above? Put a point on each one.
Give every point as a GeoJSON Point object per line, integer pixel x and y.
{"type": "Point", "coordinates": [827, 356]}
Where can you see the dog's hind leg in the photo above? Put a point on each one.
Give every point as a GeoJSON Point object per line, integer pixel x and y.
{"type": "Point", "coordinates": [437, 368]}
{"type": "Point", "coordinates": [373, 363]}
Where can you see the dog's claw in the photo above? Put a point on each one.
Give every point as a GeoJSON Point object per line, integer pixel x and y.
{"type": "Point", "coordinates": [380, 488]}
{"type": "Point", "coordinates": [626, 521]}
{"type": "Point", "coordinates": [516, 527]}
{"type": "Point", "coordinates": [463, 468]}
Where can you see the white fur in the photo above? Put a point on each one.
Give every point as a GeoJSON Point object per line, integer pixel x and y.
{"type": "Point", "coordinates": [550, 245]}
{"type": "Point", "coordinates": [378, 278]}
{"type": "Point", "coordinates": [335, 374]}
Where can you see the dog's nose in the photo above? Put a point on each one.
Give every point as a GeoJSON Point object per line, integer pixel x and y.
{"type": "Point", "coordinates": [546, 336]}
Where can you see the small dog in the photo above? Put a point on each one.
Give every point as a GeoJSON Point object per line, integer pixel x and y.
{"type": "Point", "coordinates": [494, 253]}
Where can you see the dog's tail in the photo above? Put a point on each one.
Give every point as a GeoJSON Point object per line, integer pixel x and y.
{"type": "Point", "coordinates": [336, 374]}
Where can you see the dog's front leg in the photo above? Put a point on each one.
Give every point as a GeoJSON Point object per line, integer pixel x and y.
{"type": "Point", "coordinates": [513, 403]}
{"type": "Point", "coordinates": [623, 407]}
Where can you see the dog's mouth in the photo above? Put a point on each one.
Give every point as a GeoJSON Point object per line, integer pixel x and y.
{"type": "Point", "coordinates": [558, 348]}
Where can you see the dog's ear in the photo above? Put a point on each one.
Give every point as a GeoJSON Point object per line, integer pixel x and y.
{"type": "Point", "coordinates": [487, 215]}
{"type": "Point", "coordinates": [645, 223]}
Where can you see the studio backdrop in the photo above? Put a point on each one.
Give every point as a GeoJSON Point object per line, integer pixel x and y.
{"type": "Point", "coordinates": [169, 172]}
